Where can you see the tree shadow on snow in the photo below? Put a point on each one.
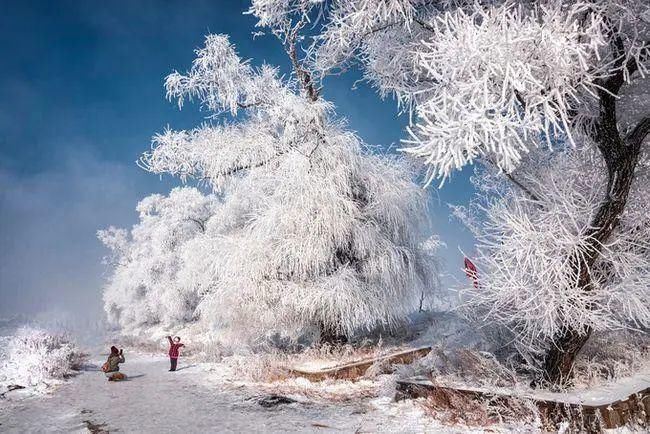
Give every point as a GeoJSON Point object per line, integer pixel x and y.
{"type": "Point", "coordinates": [89, 367]}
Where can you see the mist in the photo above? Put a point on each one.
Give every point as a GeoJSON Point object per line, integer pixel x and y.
{"type": "Point", "coordinates": [83, 97]}
{"type": "Point", "coordinates": [51, 260]}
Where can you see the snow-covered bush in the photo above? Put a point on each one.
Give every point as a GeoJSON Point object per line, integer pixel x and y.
{"type": "Point", "coordinates": [35, 358]}
{"type": "Point", "coordinates": [311, 232]}
{"type": "Point", "coordinates": [611, 356]}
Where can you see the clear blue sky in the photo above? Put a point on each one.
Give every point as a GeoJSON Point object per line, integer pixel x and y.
{"type": "Point", "coordinates": [80, 97]}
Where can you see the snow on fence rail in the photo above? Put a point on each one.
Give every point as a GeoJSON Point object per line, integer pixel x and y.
{"type": "Point", "coordinates": [593, 410]}
{"type": "Point", "coordinates": [357, 368]}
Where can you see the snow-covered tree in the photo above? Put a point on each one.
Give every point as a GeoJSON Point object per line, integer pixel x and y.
{"type": "Point", "coordinates": [491, 80]}
{"type": "Point", "coordinates": [145, 288]}
{"type": "Point", "coordinates": [314, 231]}
{"type": "Point", "coordinates": [526, 282]}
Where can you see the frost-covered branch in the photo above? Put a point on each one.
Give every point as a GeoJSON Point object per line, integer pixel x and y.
{"type": "Point", "coordinates": [517, 84]}
{"type": "Point", "coordinates": [529, 285]}
{"type": "Point", "coordinates": [310, 232]}
{"type": "Point", "coordinates": [486, 79]}
{"type": "Point", "coordinates": [512, 178]}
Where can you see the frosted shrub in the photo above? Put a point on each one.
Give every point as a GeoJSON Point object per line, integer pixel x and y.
{"type": "Point", "coordinates": [610, 356]}
{"type": "Point", "coordinates": [36, 358]}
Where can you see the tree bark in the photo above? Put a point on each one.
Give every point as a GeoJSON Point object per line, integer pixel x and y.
{"type": "Point", "coordinates": [621, 158]}
{"type": "Point", "coordinates": [331, 336]}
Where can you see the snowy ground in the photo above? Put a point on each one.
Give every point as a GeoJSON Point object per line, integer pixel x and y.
{"type": "Point", "coordinates": [194, 400]}
{"type": "Point", "coordinates": [216, 397]}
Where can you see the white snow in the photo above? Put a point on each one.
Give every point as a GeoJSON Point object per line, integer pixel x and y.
{"type": "Point", "coordinates": [35, 359]}
{"type": "Point", "coordinates": [317, 365]}
{"type": "Point", "coordinates": [618, 390]}
{"type": "Point", "coordinates": [197, 398]}
{"type": "Point", "coordinates": [604, 394]}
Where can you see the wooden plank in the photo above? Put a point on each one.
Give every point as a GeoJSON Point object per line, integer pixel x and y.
{"type": "Point", "coordinates": [634, 408]}
{"type": "Point", "coordinates": [358, 368]}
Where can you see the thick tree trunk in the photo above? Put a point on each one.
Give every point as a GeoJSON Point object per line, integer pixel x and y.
{"type": "Point", "coordinates": [558, 365]}
{"type": "Point", "coordinates": [559, 361]}
{"type": "Point", "coordinates": [621, 157]}
{"type": "Point", "coordinates": [621, 163]}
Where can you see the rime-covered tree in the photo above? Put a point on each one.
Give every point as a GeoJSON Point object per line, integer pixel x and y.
{"type": "Point", "coordinates": [526, 282]}
{"type": "Point", "coordinates": [488, 81]}
{"type": "Point", "coordinates": [146, 286]}
{"type": "Point", "coordinates": [314, 231]}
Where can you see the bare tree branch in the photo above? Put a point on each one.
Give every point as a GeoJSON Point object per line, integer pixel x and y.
{"type": "Point", "coordinates": [636, 137]}
{"type": "Point", "coordinates": [290, 44]}
{"type": "Point", "coordinates": [234, 170]}
{"type": "Point", "coordinates": [423, 24]}
{"type": "Point", "coordinates": [531, 195]}
{"type": "Point", "coordinates": [523, 188]}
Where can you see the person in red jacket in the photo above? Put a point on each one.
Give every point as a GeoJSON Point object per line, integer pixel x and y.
{"type": "Point", "coordinates": [174, 346]}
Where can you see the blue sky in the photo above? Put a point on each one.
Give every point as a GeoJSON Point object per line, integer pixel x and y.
{"type": "Point", "coordinates": [81, 95]}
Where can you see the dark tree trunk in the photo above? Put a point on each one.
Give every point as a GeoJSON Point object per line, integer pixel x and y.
{"type": "Point", "coordinates": [559, 360]}
{"type": "Point", "coordinates": [567, 344]}
{"type": "Point", "coordinates": [621, 157]}
{"type": "Point", "coordinates": [558, 365]}
{"type": "Point", "coordinates": [330, 336]}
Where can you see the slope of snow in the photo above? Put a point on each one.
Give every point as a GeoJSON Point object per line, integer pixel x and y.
{"type": "Point", "coordinates": [617, 390]}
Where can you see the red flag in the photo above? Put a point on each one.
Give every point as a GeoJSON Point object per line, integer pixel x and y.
{"type": "Point", "coordinates": [471, 271]}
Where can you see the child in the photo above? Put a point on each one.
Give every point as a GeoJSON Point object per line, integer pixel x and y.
{"type": "Point", "coordinates": [174, 346]}
{"type": "Point", "coordinates": [112, 366]}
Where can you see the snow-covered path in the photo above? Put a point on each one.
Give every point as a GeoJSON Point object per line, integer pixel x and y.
{"type": "Point", "coordinates": [191, 400]}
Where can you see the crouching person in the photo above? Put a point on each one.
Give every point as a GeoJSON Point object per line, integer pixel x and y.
{"type": "Point", "coordinates": [112, 366]}
{"type": "Point", "coordinates": [174, 347]}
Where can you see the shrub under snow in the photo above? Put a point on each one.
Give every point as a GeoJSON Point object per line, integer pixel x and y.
{"type": "Point", "coordinates": [36, 358]}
